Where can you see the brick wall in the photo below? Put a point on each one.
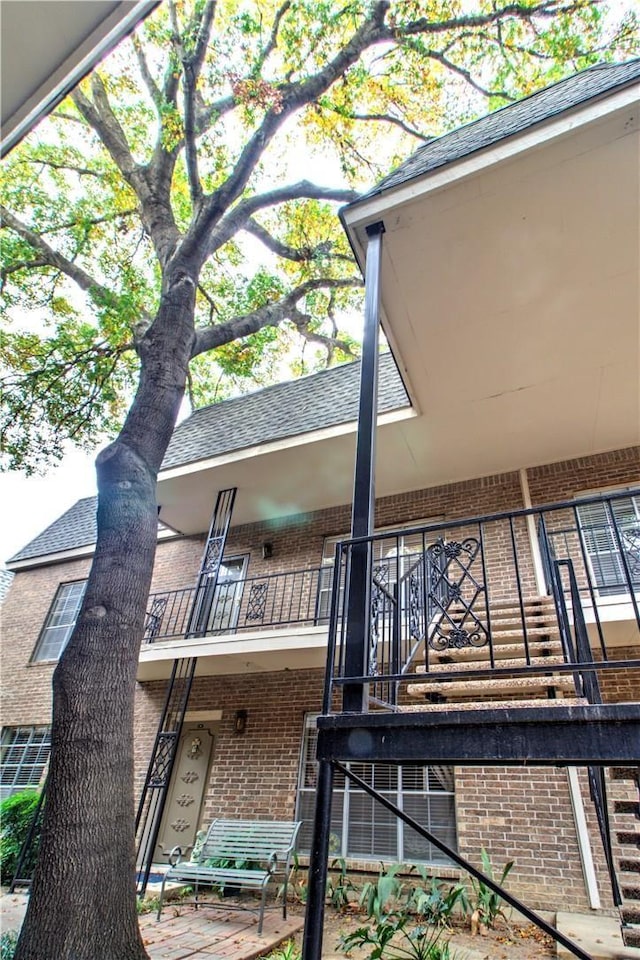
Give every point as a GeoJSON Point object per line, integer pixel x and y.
{"type": "Point", "coordinates": [519, 814]}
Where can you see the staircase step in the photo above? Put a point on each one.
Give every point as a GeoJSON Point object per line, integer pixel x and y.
{"type": "Point", "coordinates": [443, 665]}
{"type": "Point", "coordinates": [500, 651]}
{"type": "Point", "coordinates": [628, 838]}
{"type": "Point", "coordinates": [478, 688]}
{"type": "Point", "coordinates": [631, 935]}
{"type": "Point", "coordinates": [630, 913]}
{"type": "Point", "coordinates": [498, 636]}
{"type": "Point", "coordinates": [631, 807]}
{"type": "Point", "coordinates": [625, 773]}
{"type": "Point", "coordinates": [492, 704]}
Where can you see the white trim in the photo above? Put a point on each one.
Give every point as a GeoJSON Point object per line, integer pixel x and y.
{"type": "Point", "coordinates": [368, 210]}
{"type": "Point", "coordinates": [538, 568]}
{"type": "Point", "coordinates": [274, 446]}
{"type": "Point", "coordinates": [76, 553]}
{"type": "Point", "coordinates": [582, 836]}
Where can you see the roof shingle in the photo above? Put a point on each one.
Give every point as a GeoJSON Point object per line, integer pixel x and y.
{"type": "Point", "coordinates": [514, 118]}
{"type": "Point", "coordinates": [285, 410]}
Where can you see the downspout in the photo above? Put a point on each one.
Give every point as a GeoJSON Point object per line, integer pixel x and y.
{"type": "Point", "coordinates": [575, 793]}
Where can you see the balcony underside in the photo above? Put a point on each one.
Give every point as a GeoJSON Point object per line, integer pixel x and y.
{"type": "Point", "coordinates": [594, 735]}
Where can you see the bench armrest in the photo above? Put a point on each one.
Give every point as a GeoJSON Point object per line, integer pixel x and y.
{"type": "Point", "coordinates": [175, 856]}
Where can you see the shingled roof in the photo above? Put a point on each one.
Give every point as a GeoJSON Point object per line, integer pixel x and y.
{"type": "Point", "coordinates": [75, 528]}
{"type": "Point", "coordinates": [285, 410]}
{"type": "Point", "coordinates": [514, 118]}
{"type": "Point", "coordinates": [324, 399]}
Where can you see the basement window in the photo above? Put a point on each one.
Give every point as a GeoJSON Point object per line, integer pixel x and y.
{"type": "Point", "coordinates": [361, 828]}
{"type": "Point", "coordinates": [25, 753]}
{"type": "Point", "coordinates": [60, 621]}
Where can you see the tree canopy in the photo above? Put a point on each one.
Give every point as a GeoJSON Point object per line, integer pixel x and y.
{"type": "Point", "coordinates": [191, 139]}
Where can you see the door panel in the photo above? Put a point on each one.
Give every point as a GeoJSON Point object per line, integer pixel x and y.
{"type": "Point", "coordinates": [186, 791]}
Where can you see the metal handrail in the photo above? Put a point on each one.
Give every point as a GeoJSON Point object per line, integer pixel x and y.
{"type": "Point", "coordinates": [249, 603]}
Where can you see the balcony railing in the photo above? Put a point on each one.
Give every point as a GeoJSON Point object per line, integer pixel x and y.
{"type": "Point", "coordinates": [520, 594]}
{"type": "Point", "coordinates": [295, 598]}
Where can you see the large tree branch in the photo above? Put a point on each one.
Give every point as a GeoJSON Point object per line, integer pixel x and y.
{"type": "Point", "coordinates": [269, 315]}
{"type": "Point", "coordinates": [285, 250]}
{"type": "Point", "coordinates": [288, 98]}
{"type": "Point", "coordinates": [58, 261]}
{"type": "Point", "coordinates": [155, 204]}
{"type": "Point", "coordinates": [238, 217]}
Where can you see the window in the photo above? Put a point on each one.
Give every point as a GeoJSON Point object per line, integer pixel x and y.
{"type": "Point", "coordinates": [25, 752]}
{"type": "Point", "coordinates": [605, 550]}
{"type": "Point", "coordinates": [392, 557]}
{"type": "Point", "coordinates": [60, 621]}
{"type": "Point", "coordinates": [363, 829]}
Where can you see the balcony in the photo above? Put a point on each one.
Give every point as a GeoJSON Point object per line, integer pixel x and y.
{"type": "Point", "coordinates": [298, 597]}
{"type": "Point", "coordinates": [501, 615]}
{"type": "Point", "coordinates": [244, 624]}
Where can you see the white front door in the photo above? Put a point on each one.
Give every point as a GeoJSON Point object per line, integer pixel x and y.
{"type": "Point", "coordinates": [181, 817]}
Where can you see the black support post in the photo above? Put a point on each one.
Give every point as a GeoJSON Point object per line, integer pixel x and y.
{"type": "Point", "coordinates": [362, 517]}
{"type": "Point", "coordinates": [318, 865]}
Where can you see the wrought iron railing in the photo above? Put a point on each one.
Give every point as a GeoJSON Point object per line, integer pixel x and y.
{"type": "Point", "coordinates": [490, 597]}
{"type": "Point", "coordinates": [298, 597]}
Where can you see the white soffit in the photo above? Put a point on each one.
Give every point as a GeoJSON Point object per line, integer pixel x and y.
{"type": "Point", "coordinates": [48, 46]}
{"type": "Point", "coordinates": [510, 290]}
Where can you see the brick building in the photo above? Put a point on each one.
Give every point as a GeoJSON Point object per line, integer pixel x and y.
{"type": "Point", "coordinates": [516, 445]}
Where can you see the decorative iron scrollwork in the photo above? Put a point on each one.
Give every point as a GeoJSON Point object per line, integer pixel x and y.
{"type": "Point", "coordinates": [163, 760]}
{"type": "Point", "coordinates": [154, 618]}
{"type": "Point", "coordinates": [455, 579]}
{"type": "Point", "coordinates": [214, 554]}
{"type": "Point", "coordinates": [257, 602]}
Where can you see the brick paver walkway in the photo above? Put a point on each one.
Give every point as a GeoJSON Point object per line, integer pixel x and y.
{"type": "Point", "coordinates": [214, 932]}
{"type": "Point", "coordinates": [184, 933]}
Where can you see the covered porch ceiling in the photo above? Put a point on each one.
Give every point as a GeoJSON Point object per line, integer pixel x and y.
{"type": "Point", "coordinates": [510, 292]}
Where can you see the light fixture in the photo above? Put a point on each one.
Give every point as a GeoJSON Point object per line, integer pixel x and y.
{"type": "Point", "coordinates": [240, 721]}
{"type": "Point", "coordinates": [267, 551]}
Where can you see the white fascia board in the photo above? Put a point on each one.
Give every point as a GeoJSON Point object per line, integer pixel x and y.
{"type": "Point", "coordinates": [302, 439]}
{"type": "Point", "coordinates": [77, 553]}
{"type": "Point", "coordinates": [363, 212]}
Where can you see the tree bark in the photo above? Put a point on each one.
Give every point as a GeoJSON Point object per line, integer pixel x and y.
{"type": "Point", "coordinates": [83, 904]}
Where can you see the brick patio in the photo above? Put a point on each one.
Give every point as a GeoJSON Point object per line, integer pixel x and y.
{"type": "Point", "coordinates": [208, 932]}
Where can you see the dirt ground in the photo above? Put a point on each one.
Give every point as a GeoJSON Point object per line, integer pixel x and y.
{"type": "Point", "coordinates": [519, 942]}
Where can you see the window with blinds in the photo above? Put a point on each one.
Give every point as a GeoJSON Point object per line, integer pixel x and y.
{"type": "Point", "coordinates": [607, 552]}
{"type": "Point", "coordinates": [60, 621]}
{"type": "Point", "coordinates": [361, 828]}
{"type": "Point", "coordinates": [25, 753]}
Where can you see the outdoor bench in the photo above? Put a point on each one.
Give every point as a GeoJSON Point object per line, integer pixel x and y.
{"type": "Point", "coordinates": [241, 853]}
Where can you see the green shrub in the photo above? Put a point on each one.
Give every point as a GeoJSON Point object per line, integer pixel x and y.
{"type": "Point", "coordinates": [8, 943]}
{"type": "Point", "coordinates": [16, 815]}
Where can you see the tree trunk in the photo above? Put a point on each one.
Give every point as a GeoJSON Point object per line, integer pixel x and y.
{"type": "Point", "coordinates": [83, 902]}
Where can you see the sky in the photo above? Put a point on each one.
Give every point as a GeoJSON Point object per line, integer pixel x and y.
{"type": "Point", "coordinates": [29, 504]}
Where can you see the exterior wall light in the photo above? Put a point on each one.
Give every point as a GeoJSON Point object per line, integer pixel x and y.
{"type": "Point", "coordinates": [240, 721]}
